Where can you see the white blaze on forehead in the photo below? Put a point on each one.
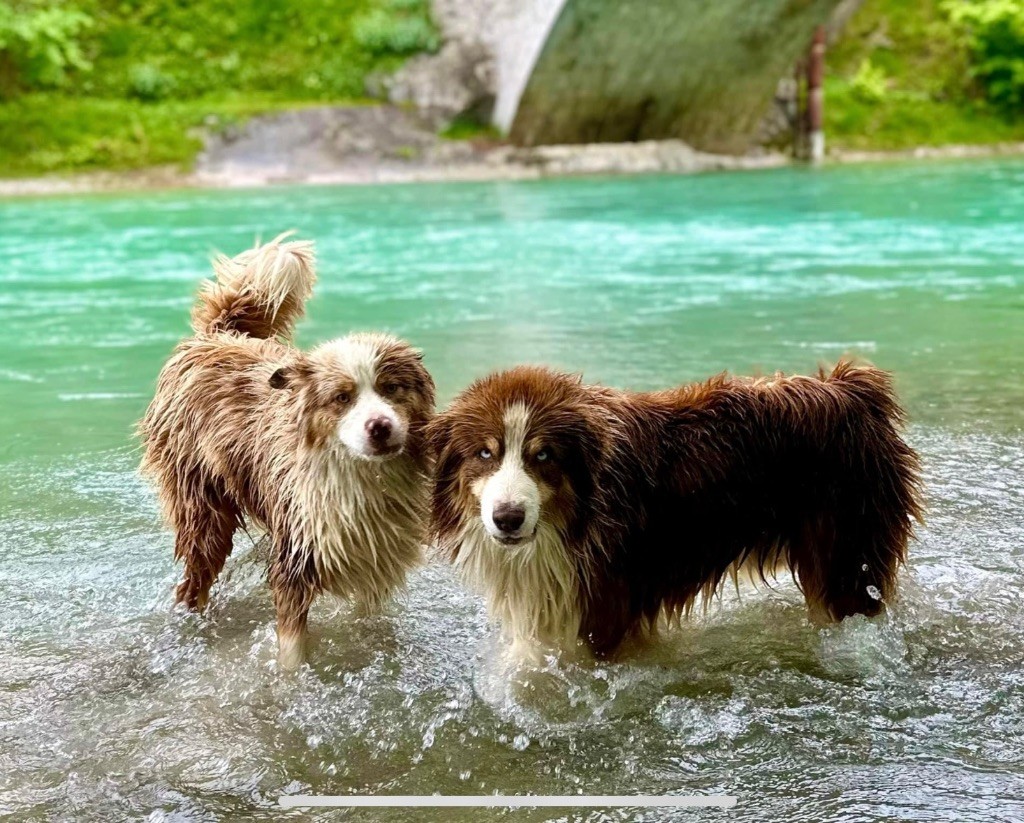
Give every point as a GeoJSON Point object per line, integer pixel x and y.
{"type": "Point", "coordinates": [512, 484]}
{"type": "Point", "coordinates": [359, 358]}
{"type": "Point", "coordinates": [533, 592]}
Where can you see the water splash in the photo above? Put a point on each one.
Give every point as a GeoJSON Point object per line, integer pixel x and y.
{"type": "Point", "coordinates": [115, 706]}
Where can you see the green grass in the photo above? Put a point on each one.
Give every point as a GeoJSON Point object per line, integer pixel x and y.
{"type": "Point", "coordinates": [288, 48]}
{"type": "Point", "coordinates": [467, 127]}
{"type": "Point", "coordinates": [907, 122]}
{"type": "Point", "coordinates": [161, 68]}
{"type": "Point", "coordinates": [43, 133]}
{"type": "Point", "coordinates": [925, 96]}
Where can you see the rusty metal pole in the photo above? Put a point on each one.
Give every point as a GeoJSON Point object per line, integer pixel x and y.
{"type": "Point", "coordinates": [816, 96]}
{"type": "Point", "coordinates": [797, 119]}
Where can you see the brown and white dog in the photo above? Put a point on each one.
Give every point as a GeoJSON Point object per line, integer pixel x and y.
{"type": "Point", "coordinates": [323, 448]}
{"type": "Point", "coordinates": [586, 514]}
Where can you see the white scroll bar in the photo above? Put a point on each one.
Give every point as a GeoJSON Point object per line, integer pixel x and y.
{"type": "Point", "coordinates": [499, 801]}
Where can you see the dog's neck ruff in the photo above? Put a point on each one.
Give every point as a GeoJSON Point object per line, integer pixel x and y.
{"type": "Point", "coordinates": [531, 590]}
{"type": "Point", "coordinates": [362, 521]}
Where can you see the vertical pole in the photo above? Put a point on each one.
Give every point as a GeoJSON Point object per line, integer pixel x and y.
{"type": "Point", "coordinates": [816, 96]}
{"type": "Point", "coordinates": [797, 119]}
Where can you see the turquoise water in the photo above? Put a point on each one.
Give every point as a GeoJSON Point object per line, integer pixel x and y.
{"type": "Point", "coordinates": [112, 706]}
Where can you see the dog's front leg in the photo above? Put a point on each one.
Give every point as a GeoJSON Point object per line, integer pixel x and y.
{"type": "Point", "coordinates": [292, 603]}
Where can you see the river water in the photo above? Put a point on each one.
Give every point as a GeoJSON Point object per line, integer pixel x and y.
{"type": "Point", "coordinates": [112, 706]}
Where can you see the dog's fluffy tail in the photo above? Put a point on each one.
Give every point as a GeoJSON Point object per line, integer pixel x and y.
{"type": "Point", "coordinates": [259, 293]}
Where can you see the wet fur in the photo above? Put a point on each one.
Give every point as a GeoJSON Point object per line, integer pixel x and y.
{"type": "Point", "coordinates": [242, 426]}
{"type": "Point", "coordinates": [655, 499]}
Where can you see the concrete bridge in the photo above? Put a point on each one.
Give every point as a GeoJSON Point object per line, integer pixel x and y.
{"type": "Point", "coordinates": [573, 71]}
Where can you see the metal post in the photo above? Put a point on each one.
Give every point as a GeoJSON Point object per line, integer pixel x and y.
{"type": "Point", "coordinates": [799, 113]}
{"type": "Point", "coordinates": [816, 96]}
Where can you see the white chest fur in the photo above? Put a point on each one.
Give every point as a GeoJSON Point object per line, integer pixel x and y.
{"type": "Point", "coordinates": [531, 590]}
{"type": "Point", "coordinates": [363, 521]}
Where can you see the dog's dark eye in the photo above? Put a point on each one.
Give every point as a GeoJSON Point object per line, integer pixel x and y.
{"type": "Point", "coordinates": [343, 397]}
{"type": "Point", "coordinates": [543, 455]}
{"type": "Point", "coordinates": [484, 454]}
{"type": "Point", "coordinates": [391, 388]}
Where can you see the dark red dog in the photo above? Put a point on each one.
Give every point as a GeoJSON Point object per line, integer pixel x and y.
{"type": "Point", "coordinates": [586, 514]}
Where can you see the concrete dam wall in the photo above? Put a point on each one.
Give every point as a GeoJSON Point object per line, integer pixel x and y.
{"type": "Point", "coordinates": [581, 71]}
{"type": "Point", "coordinates": [704, 71]}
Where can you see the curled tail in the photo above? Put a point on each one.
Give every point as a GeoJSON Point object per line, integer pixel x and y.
{"type": "Point", "coordinates": [259, 293]}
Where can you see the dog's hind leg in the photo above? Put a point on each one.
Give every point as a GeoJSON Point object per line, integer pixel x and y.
{"type": "Point", "coordinates": [205, 525]}
{"type": "Point", "coordinates": [848, 567]}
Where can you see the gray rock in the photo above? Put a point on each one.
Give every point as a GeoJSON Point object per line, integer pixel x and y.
{"type": "Point", "coordinates": [457, 81]}
{"type": "Point", "coordinates": [364, 144]}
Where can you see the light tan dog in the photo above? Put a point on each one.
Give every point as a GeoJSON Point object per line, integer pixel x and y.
{"type": "Point", "coordinates": [323, 448]}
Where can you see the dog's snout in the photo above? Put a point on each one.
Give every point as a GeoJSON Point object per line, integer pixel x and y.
{"type": "Point", "coordinates": [379, 429]}
{"type": "Point", "coordinates": [508, 517]}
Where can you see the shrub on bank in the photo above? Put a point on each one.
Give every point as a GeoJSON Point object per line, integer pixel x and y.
{"type": "Point", "coordinates": [931, 72]}
{"type": "Point", "coordinates": [39, 45]}
{"type": "Point", "coordinates": [399, 27]}
{"type": "Point", "coordinates": [993, 33]}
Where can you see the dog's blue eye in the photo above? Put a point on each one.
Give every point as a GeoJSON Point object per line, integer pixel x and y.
{"type": "Point", "coordinates": [485, 454]}
{"type": "Point", "coordinates": [542, 455]}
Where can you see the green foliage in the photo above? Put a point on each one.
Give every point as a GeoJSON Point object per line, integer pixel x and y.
{"type": "Point", "coordinates": [898, 79]}
{"type": "Point", "coordinates": [166, 49]}
{"type": "Point", "coordinates": [40, 44]}
{"type": "Point", "coordinates": [147, 82]}
{"type": "Point", "coordinates": [905, 121]}
{"type": "Point", "coordinates": [993, 31]}
{"type": "Point", "coordinates": [188, 61]}
{"type": "Point", "coordinates": [46, 132]}
{"type": "Point", "coordinates": [468, 127]}
{"type": "Point", "coordinates": [399, 27]}
{"type": "Point", "coordinates": [870, 83]}
{"type": "Point", "coordinates": [287, 49]}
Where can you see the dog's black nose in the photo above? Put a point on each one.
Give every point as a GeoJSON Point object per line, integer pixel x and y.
{"type": "Point", "coordinates": [508, 517]}
{"type": "Point", "coordinates": [378, 429]}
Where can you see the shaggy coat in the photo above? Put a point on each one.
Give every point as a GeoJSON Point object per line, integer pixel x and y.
{"type": "Point", "coordinates": [324, 449]}
{"type": "Point", "coordinates": [586, 514]}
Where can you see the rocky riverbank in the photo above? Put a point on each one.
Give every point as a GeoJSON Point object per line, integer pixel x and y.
{"type": "Point", "coordinates": [383, 144]}
{"type": "Point", "coordinates": [340, 145]}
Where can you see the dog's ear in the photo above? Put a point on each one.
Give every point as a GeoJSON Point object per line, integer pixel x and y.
{"type": "Point", "coordinates": [439, 433]}
{"type": "Point", "coordinates": [279, 379]}
{"type": "Point", "coordinates": [290, 375]}
{"type": "Point", "coordinates": [425, 380]}
{"type": "Point", "coordinates": [445, 508]}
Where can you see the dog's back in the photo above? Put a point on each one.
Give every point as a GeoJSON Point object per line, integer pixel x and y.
{"type": "Point", "coordinates": [805, 473]}
{"type": "Point", "coordinates": [211, 432]}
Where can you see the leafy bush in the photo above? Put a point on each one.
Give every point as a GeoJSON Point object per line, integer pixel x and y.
{"type": "Point", "coordinates": [40, 43]}
{"type": "Point", "coordinates": [994, 35]}
{"type": "Point", "coordinates": [386, 32]}
{"type": "Point", "coordinates": [870, 83]}
{"type": "Point", "coordinates": [147, 82]}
